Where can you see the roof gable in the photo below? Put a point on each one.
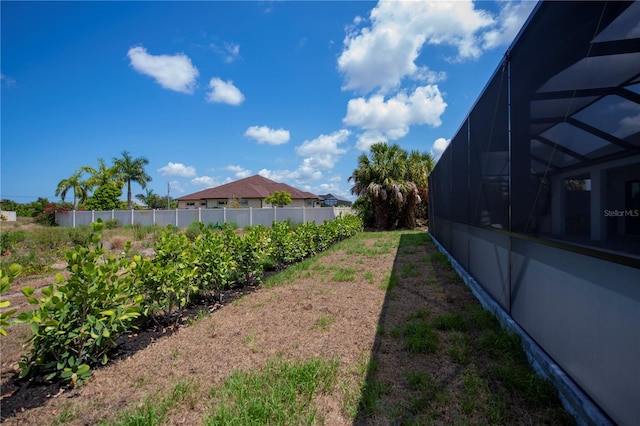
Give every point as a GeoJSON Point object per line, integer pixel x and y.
{"type": "Point", "coordinates": [250, 187]}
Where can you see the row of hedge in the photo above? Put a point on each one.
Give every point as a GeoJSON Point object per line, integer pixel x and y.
{"type": "Point", "coordinates": [76, 322]}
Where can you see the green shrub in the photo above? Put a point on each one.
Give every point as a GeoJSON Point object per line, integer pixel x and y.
{"type": "Point", "coordinates": [50, 238]}
{"type": "Point", "coordinates": [230, 225]}
{"type": "Point", "coordinates": [112, 224]}
{"type": "Point", "coordinates": [217, 260]}
{"type": "Point", "coordinates": [250, 251]}
{"type": "Point", "coordinates": [8, 239]}
{"type": "Point", "coordinates": [282, 240]}
{"type": "Point", "coordinates": [48, 216]}
{"type": "Point", "coordinates": [140, 232]}
{"type": "Point", "coordinates": [5, 286]}
{"type": "Point", "coordinates": [169, 279]}
{"type": "Point", "coordinates": [194, 230]}
{"type": "Point", "coordinates": [76, 322]}
{"type": "Point", "coordinates": [80, 235]}
{"type": "Point", "coordinates": [31, 262]}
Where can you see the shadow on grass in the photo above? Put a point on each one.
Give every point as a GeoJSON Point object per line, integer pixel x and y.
{"type": "Point", "coordinates": [438, 357]}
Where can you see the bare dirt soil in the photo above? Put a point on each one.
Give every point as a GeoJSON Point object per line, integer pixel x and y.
{"type": "Point", "coordinates": [344, 304]}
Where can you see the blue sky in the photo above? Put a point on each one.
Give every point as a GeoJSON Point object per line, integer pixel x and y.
{"type": "Point", "coordinates": [210, 92]}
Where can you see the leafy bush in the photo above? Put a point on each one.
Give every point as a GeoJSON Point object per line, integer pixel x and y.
{"type": "Point", "coordinates": [50, 238]}
{"type": "Point", "coordinates": [140, 232]}
{"type": "Point", "coordinates": [230, 225]}
{"type": "Point", "coordinates": [282, 240]}
{"type": "Point", "coordinates": [112, 224]}
{"type": "Point", "coordinates": [170, 278]}
{"type": "Point", "coordinates": [8, 239]}
{"type": "Point", "coordinates": [79, 235]}
{"type": "Point", "coordinates": [194, 230]}
{"type": "Point", "coordinates": [48, 215]}
{"type": "Point", "coordinates": [250, 251]}
{"type": "Point", "coordinates": [31, 262]}
{"type": "Point", "coordinates": [216, 260]}
{"type": "Point", "coordinates": [76, 322]}
{"type": "Point", "coordinates": [105, 197]}
{"type": "Point", "coordinates": [5, 286]}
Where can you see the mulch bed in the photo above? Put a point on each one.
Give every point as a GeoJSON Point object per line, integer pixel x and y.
{"type": "Point", "coordinates": [18, 395]}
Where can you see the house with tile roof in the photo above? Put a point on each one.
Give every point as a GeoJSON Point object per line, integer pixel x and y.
{"type": "Point", "coordinates": [247, 192]}
{"type": "Point", "coordinates": [334, 200]}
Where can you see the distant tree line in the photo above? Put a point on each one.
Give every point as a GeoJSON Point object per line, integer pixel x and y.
{"type": "Point", "coordinates": [102, 189]}
{"type": "Point", "coordinates": [106, 182]}
{"type": "Point", "coordinates": [96, 188]}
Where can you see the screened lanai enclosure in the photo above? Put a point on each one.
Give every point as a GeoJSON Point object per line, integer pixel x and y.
{"type": "Point", "coordinates": [537, 197]}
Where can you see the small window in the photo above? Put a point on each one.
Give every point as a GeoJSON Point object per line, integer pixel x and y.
{"type": "Point", "coordinates": [244, 202]}
{"type": "Point", "coordinates": [203, 203]}
{"type": "Point", "coordinates": [191, 204]}
{"type": "Point", "coordinates": [222, 203]}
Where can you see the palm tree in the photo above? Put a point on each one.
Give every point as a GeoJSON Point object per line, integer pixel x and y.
{"type": "Point", "coordinates": [377, 179]}
{"type": "Point", "coordinates": [131, 170]}
{"type": "Point", "coordinates": [394, 182]}
{"type": "Point", "coordinates": [149, 198]}
{"type": "Point", "coordinates": [103, 175]}
{"type": "Point", "coordinates": [75, 183]}
{"type": "Point", "coordinates": [419, 168]}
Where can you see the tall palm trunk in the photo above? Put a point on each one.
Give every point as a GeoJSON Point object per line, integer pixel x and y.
{"type": "Point", "coordinates": [129, 194]}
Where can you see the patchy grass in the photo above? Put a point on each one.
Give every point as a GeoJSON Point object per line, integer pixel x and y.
{"type": "Point", "coordinates": [344, 275]}
{"type": "Point", "coordinates": [281, 393]}
{"type": "Point", "coordinates": [324, 321]}
{"type": "Point", "coordinates": [410, 270]}
{"type": "Point", "coordinates": [154, 409]}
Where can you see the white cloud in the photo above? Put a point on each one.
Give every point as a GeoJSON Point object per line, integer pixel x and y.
{"type": "Point", "coordinates": [204, 181]}
{"type": "Point", "coordinates": [302, 175]}
{"type": "Point", "coordinates": [173, 72]}
{"type": "Point", "coordinates": [439, 145]}
{"type": "Point", "coordinates": [224, 92]}
{"type": "Point", "coordinates": [392, 117]}
{"type": "Point", "coordinates": [175, 188]}
{"type": "Point", "coordinates": [323, 152]}
{"type": "Point", "coordinates": [8, 81]}
{"type": "Point", "coordinates": [228, 51]}
{"type": "Point", "coordinates": [512, 17]}
{"type": "Point", "coordinates": [177, 170]}
{"type": "Point", "coordinates": [382, 54]}
{"type": "Point", "coordinates": [238, 171]}
{"type": "Point", "coordinates": [368, 138]}
{"type": "Point", "coordinates": [264, 134]}
{"type": "Point", "coordinates": [319, 154]}
{"type": "Point", "coordinates": [233, 52]}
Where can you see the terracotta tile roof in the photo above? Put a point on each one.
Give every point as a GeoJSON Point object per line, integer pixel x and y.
{"type": "Point", "coordinates": [251, 187]}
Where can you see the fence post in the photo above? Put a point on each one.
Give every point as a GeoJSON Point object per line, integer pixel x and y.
{"type": "Point", "coordinates": [224, 215]}
{"type": "Point", "coordinates": [132, 217]}
{"type": "Point", "coordinates": [199, 214]}
{"type": "Point", "coordinates": [113, 214]}
{"type": "Point", "coordinates": [176, 218]}
{"type": "Point", "coordinates": [304, 215]}
{"type": "Point", "coordinates": [275, 216]}
{"type": "Point", "coordinates": [93, 216]}
{"type": "Point", "coordinates": [153, 217]}
{"type": "Point", "coordinates": [250, 216]}
{"type": "Point", "coordinates": [74, 218]}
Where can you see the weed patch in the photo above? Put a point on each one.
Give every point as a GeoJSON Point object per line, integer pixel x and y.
{"type": "Point", "coordinates": [344, 275]}
{"type": "Point", "coordinates": [281, 393]}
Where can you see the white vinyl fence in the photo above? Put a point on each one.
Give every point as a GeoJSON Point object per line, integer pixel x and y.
{"type": "Point", "coordinates": [184, 217]}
